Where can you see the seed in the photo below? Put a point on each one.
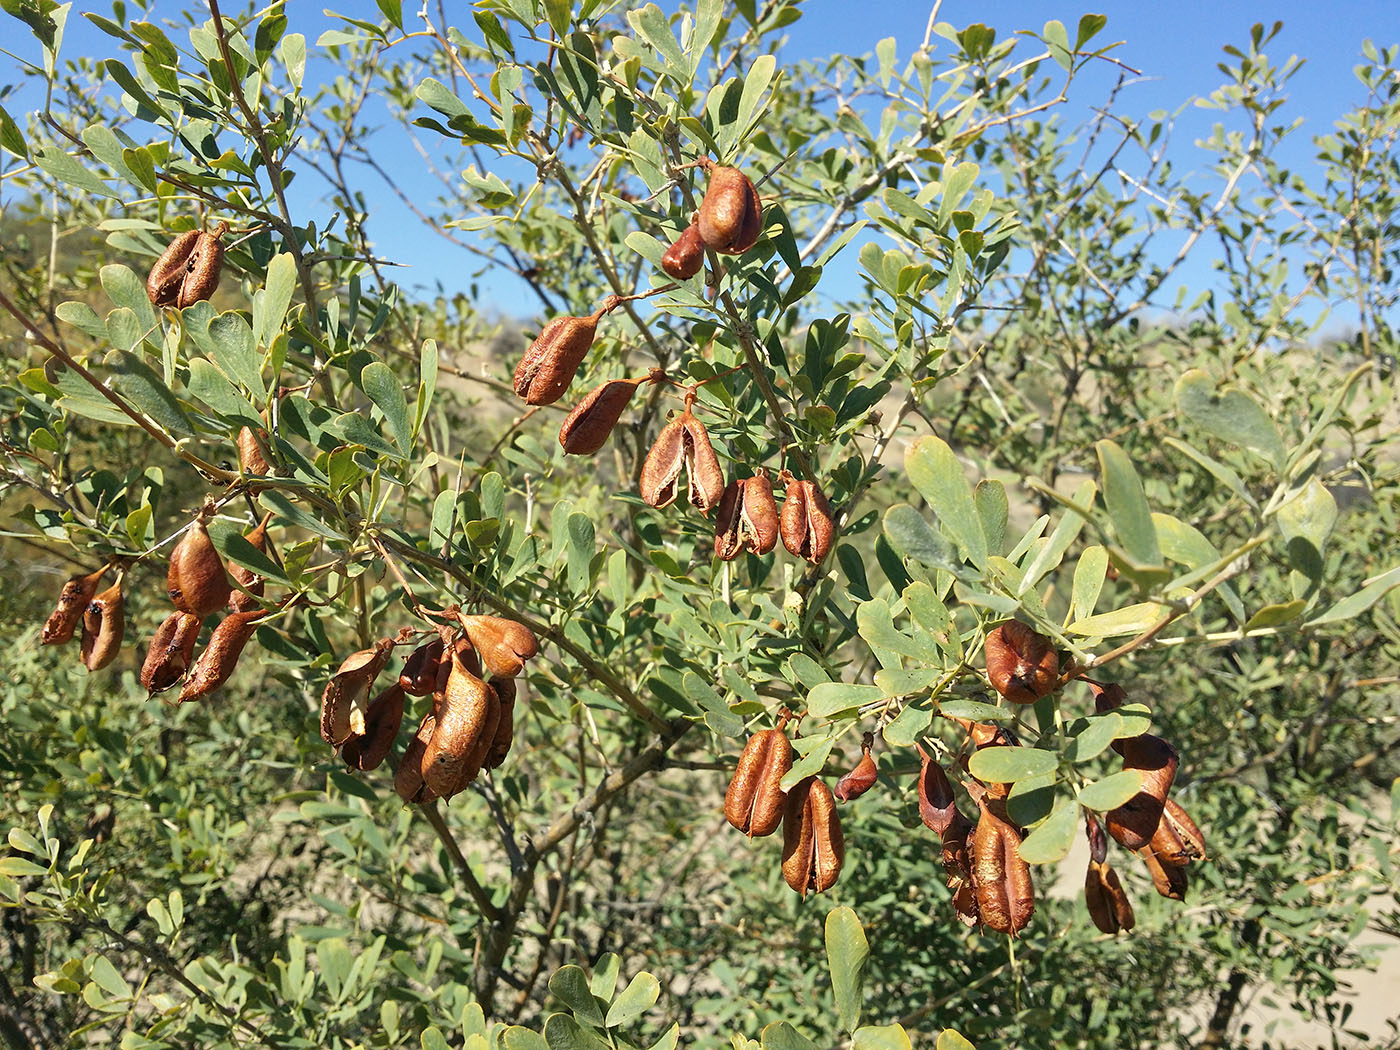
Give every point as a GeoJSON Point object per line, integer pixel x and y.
{"type": "Point", "coordinates": [806, 525]}
{"type": "Point", "coordinates": [731, 216]}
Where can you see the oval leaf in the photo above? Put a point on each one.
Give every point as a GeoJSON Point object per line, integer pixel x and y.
{"type": "Point", "coordinates": [1006, 765]}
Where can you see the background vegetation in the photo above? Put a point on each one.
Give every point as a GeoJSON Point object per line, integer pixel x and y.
{"type": "Point", "coordinates": [1196, 486]}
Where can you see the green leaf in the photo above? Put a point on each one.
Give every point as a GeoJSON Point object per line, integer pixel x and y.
{"type": "Point", "coordinates": [279, 284]}
{"type": "Point", "coordinates": [833, 698]}
{"type": "Point", "coordinates": [1112, 791]}
{"type": "Point", "coordinates": [209, 385]}
{"type": "Point", "coordinates": [651, 25]}
{"type": "Point", "coordinates": [907, 726]}
{"type": "Point", "coordinates": [1006, 765]}
{"type": "Point", "coordinates": [937, 474]}
{"type": "Point", "coordinates": [1131, 619]}
{"type": "Point", "coordinates": [603, 982]}
{"type": "Point", "coordinates": [1127, 506]}
{"type": "Point", "coordinates": [1099, 731]}
{"type": "Point", "coordinates": [639, 996]}
{"type": "Point", "coordinates": [877, 628]}
{"type": "Point", "coordinates": [913, 538]}
{"type": "Point", "coordinates": [518, 1037]}
{"type": "Point", "coordinates": [975, 711]}
{"type": "Point", "coordinates": [562, 1032]}
{"type": "Point", "coordinates": [897, 682]}
{"type": "Point", "coordinates": [718, 715]}
{"type": "Point", "coordinates": [1362, 600]}
{"type": "Point", "coordinates": [1216, 469]}
{"type": "Point", "coordinates": [65, 169]}
{"type": "Point", "coordinates": [1275, 614]}
{"type": "Point", "coordinates": [949, 1039]}
{"type": "Point", "coordinates": [235, 351]}
{"type": "Point", "coordinates": [433, 1039]}
{"type": "Point", "coordinates": [570, 986]}
{"type": "Point", "coordinates": [11, 138]}
{"type": "Point", "coordinates": [108, 979]}
{"type": "Point", "coordinates": [1229, 414]}
{"type": "Point", "coordinates": [1029, 801]}
{"type": "Point", "coordinates": [1066, 532]}
{"type": "Point", "coordinates": [847, 953]}
{"type": "Point", "coordinates": [1089, 575]}
{"type": "Point", "coordinates": [441, 98]}
{"type": "Point", "coordinates": [18, 867]}
{"type": "Point", "coordinates": [881, 1037]}
{"type": "Point", "coordinates": [382, 387]}
{"type": "Point", "coordinates": [994, 509]}
{"type": "Point", "coordinates": [760, 75]}
{"type": "Point", "coordinates": [782, 1036]}
{"type": "Point", "coordinates": [124, 288]}
{"type": "Point", "coordinates": [1050, 843]}
{"type": "Point", "coordinates": [144, 390]}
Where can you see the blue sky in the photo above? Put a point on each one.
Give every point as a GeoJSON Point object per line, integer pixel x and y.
{"type": "Point", "coordinates": [1176, 45]}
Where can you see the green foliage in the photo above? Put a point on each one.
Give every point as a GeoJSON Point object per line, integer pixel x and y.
{"type": "Point", "coordinates": [957, 321]}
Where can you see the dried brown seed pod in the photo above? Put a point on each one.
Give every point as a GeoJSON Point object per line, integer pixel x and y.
{"type": "Point", "coordinates": [937, 806]}
{"type": "Point", "coordinates": [683, 444]}
{"type": "Point", "coordinates": [505, 726]}
{"type": "Point", "coordinates": [188, 271]}
{"type": "Point", "coordinates": [503, 645]}
{"type": "Point", "coordinates": [1021, 664]}
{"type": "Point", "coordinates": [465, 729]}
{"type": "Point", "coordinates": [548, 367]}
{"type": "Point", "coordinates": [813, 846]}
{"type": "Point", "coordinates": [1177, 840]}
{"type": "Point", "coordinates": [1133, 823]}
{"type": "Point", "coordinates": [1170, 880]}
{"type": "Point", "coordinates": [730, 217]}
{"type": "Point", "coordinates": [753, 802]}
{"type": "Point", "coordinates": [1005, 894]}
{"type": "Point", "coordinates": [860, 779]}
{"type": "Point", "coordinates": [250, 457]}
{"type": "Point", "coordinates": [1098, 842]}
{"type": "Point", "coordinates": [1107, 697]}
{"type": "Point", "coordinates": [1109, 906]}
{"type": "Point", "coordinates": [806, 525]}
{"type": "Point", "coordinates": [248, 585]}
{"type": "Point", "coordinates": [216, 664]}
{"type": "Point", "coordinates": [408, 777]}
{"type": "Point", "coordinates": [587, 427]}
{"type": "Point", "coordinates": [419, 676]}
{"type": "Point", "coordinates": [73, 601]}
{"type": "Point", "coordinates": [747, 518]}
{"type": "Point", "coordinates": [104, 624]}
{"type": "Point", "coordinates": [345, 702]}
{"type": "Point", "coordinates": [196, 580]}
{"type": "Point", "coordinates": [382, 724]}
{"type": "Point", "coordinates": [171, 651]}
{"type": "Point", "coordinates": [683, 259]}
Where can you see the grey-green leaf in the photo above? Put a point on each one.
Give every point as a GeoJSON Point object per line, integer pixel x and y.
{"type": "Point", "coordinates": [937, 474]}
{"type": "Point", "coordinates": [847, 953]}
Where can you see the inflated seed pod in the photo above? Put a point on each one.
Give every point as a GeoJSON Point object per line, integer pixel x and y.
{"type": "Point", "coordinates": [587, 427]}
{"type": "Point", "coordinates": [455, 753]}
{"type": "Point", "coordinates": [860, 779]}
{"type": "Point", "coordinates": [1169, 880]}
{"type": "Point", "coordinates": [1108, 904]}
{"type": "Point", "coordinates": [419, 676]}
{"type": "Point", "coordinates": [937, 807]}
{"type": "Point", "coordinates": [1021, 664]}
{"type": "Point", "coordinates": [813, 846]}
{"type": "Point", "coordinates": [683, 259]}
{"type": "Point", "coordinates": [250, 457]}
{"type": "Point", "coordinates": [216, 664]}
{"type": "Point", "coordinates": [551, 361]}
{"type": "Point", "coordinates": [189, 269]}
{"type": "Point", "coordinates": [382, 723]}
{"type": "Point", "coordinates": [248, 586]}
{"type": "Point", "coordinates": [171, 651]}
{"type": "Point", "coordinates": [754, 800]}
{"type": "Point", "coordinates": [747, 518]}
{"type": "Point", "coordinates": [1005, 893]}
{"type": "Point", "coordinates": [1134, 823]}
{"type": "Point", "coordinates": [408, 777]}
{"type": "Point", "coordinates": [1177, 840]}
{"type": "Point", "coordinates": [806, 524]}
{"type": "Point", "coordinates": [104, 624]}
{"type": "Point", "coordinates": [196, 581]}
{"type": "Point", "coordinates": [345, 702]}
{"type": "Point", "coordinates": [730, 217]}
{"type": "Point", "coordinates": [505, 726]}
{"type": "Point", "coordinates": [503, 644]}
{"type": "Point", "coordinates": [682, 445]}
{"type": "Point", "coordinates": [73, 601]}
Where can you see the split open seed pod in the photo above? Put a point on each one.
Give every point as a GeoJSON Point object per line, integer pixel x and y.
{"type": "Point", "coordinates": [806, 524]}
{"type": "Point", "coordinates": [345, 702]}
{"type": "Point", "coordinates": [683, 445]}
{"type": "Point", "coordinates": [813, 846]}
{"type": "Point", "coordinates": [188, 270]}
{"type": "Point", "coordinates": [216, 664]}
{"type": "Point", "coordinates": [73, 601]}
{"type": "Point", "coordinates": [731, 215]}
{"type": "Point", "coordinates": [754, 800]}
{"type": "Point", "coordinates": [170, 651]}
{"type": "Point", "coordinates": [551, 361]}
{"type": "Point", "coordinates": [104, 624]}
{"type": "Point", "coordinates": [747, 518]}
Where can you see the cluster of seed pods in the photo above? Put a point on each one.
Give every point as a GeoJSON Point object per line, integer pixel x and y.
{"type": "Point", "coordinates": [468, 670]}
{"type": "Point", "coordinates": [729, 221]}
